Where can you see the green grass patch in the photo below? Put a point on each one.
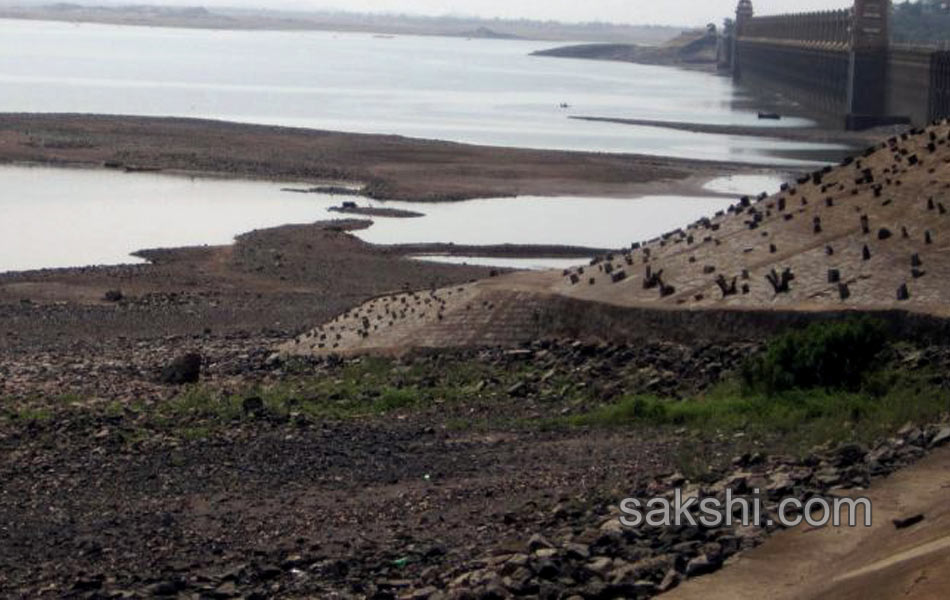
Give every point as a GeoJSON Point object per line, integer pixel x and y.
{"type": "Point", "coordinates": [199, 402]}
{"type": "Point", "coordinates": [193, 434]}
{"type": "Point", "coordinates": [34, 409]}
{"type": "Point", "coordinates": [37, 414]}
{"type": "Point", "coordinates": [396, 399]}
{"type": "Point", "coordinates": [798, 419]}
{"type": "Point", "coordinates": [368, 387]}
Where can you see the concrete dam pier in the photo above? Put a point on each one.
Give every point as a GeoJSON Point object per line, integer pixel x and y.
{"type": "Point", "coordinates": [841, 64]}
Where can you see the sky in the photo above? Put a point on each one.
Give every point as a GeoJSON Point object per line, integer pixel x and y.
{"type": "Point", "coordinates": [656, 12]}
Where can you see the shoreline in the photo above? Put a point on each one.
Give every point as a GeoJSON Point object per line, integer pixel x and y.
{"type": "Point", "coordinates": [388, 168]}
{"type": "Point", "coordinates": [803, 134]}
{"type": "Point", "coordinates": [689, 184]}
{"type": "Point", "coordinates": [691, 53]}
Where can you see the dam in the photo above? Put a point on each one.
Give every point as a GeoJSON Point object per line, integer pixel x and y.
{"type": "Point", "coordinates": [840, 64]}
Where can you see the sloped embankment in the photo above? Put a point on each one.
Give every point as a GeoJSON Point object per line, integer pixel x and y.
{"type": "Point", "coordinates": [871, 234]}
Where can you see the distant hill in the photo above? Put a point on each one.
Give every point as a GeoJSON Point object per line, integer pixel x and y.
{"type": "Point", "coordinates": [489, 34]}
{"type": "Point", "coordinates": [287, 20]}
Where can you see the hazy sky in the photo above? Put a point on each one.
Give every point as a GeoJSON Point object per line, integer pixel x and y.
{"type": "Point", "coordinates": [668, 12]}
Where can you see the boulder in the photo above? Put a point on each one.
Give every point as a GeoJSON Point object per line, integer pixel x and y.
{"type": "Point", "coordinates": [600, 565]}
{"type": "Point", "coordinates": [184, 369]}
{"type": "Point", "coordinates": [653, 569]}
{"type": "Point", "coordinates": [253, 406]}
{"type": "Point", "coordinates": [577, 551]}
{"type": "Point", "coordinates": [702, 565]}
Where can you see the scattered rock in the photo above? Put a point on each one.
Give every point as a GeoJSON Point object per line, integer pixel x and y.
{"type": "Point", "coordinates": [701, 565]}
{"type": "Point", "coordinates": [941, 438]}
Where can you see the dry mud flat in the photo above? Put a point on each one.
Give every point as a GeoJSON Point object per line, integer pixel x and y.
{"type": "Point", "coordinates": [269, 283]}
{"type": "Point", "coordinates": [391, 167]}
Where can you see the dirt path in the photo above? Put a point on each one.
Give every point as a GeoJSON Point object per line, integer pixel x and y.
{"type": "Point", "coordinates": [852, 564]}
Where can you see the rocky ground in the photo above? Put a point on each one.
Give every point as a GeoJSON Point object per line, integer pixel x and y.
{"type": "Point", "coordinates": [595, 556]}
{"type": "Point", "coordinates": [435, 475]}
{"type": "Point", "coordinates": [138, 487]}
{"type": "Point", "coordinates": [118, 483]}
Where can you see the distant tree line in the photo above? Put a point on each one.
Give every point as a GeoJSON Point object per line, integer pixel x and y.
{"type": "Point", "coordinates": [922, 21]}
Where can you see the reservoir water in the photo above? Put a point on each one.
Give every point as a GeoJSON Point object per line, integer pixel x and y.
{"type": "Point", "coordinates": [490, 92]}
{"type": "Point", "coordinates": [75, 217]}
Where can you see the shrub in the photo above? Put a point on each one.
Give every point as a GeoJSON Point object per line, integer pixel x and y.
{"type": "Point", "coordinates": [834, 355]}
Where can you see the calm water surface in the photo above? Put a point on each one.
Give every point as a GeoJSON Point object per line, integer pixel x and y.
{"type": "Point", "coordinates": [531, 264]}
{"type": "Point", "coordinates": [569, 221]}
{"type": "Point", "coordinates": [745, 185]}
{"type": "Point", "coordinates": [71, 217]}
{"type": "Point", "coordinates": [478, 91]}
